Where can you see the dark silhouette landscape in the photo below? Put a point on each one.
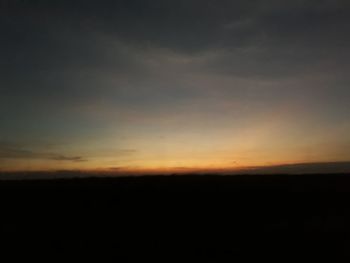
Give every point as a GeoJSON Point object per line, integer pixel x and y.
{"type": "Point", "coordinates": [176, 218]}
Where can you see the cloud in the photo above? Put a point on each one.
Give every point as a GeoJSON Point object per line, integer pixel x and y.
{"type": "Point", "coordinates": [82, 33]}
{"type": "Point", "coordinates": [63, 49]}
{"type": "Point", "coordinates": [10, 151]}
{"type": "Point", "coordinates": [116, 168]}
{"type": "Point", "coordinates": [68, 158]}
{"type": "Point", "coordinates": [302, 168]}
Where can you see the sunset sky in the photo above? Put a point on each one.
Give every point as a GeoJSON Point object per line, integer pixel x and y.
{"type": "Point", "coordinates": [162, 85]}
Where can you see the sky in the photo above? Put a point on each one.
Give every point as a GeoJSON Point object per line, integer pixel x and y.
{"type": "Point", "coordinates": [181, 85]}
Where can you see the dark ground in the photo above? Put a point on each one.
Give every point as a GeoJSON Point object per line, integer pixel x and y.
{"type": "Point", "coordinates": [177, 218]}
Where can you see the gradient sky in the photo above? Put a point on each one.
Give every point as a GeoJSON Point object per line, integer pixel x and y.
{"type": "Point", "coordinates": [172, 85]}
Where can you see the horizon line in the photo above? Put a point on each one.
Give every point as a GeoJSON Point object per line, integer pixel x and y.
{"type": "Point", "coordinates": [186, 170]}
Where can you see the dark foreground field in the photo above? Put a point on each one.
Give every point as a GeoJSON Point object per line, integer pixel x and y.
{"type": "Point", "coordinates": [178, 218]}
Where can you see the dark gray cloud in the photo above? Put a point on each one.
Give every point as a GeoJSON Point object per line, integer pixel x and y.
{"type": "Point", "coordinates": [116, 168]}
{"type": "Point", "coordinates": [54, 46]}
{"type": "Point", "coordinates": [58, 32]}
{"type": "Point", "coordinates": [62, 50]}
{"type": "Point", "coordinates": [67, 158]}
{"type": "Point", "coordinates": [13, 151]}
{"type": "Point", "coordinates": [303, 168]}
{"type": "Point", "coordinates": [181, 24]}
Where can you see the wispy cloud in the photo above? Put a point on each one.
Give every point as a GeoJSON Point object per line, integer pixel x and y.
{"type": "Point", "coordinates": [116, 168]}
{"type": "Point", "coordinates": [12, 151]}
{"type": "Point", "coordinates": [68, 158]}
{"type": "Point", "coordinates": [302, 168]}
